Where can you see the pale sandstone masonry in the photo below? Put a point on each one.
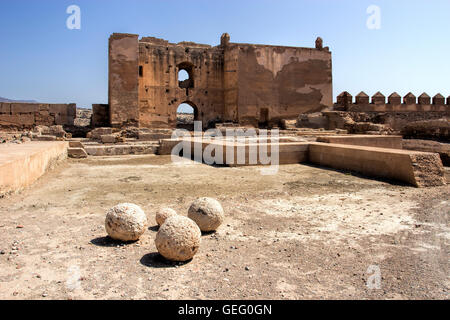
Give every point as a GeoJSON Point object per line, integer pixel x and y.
{"type": "Point", "coordinates": [123, 79]}
{"type": "Point", "coordinates": [420, 169]}
{"type": "Point", "coordinates": [28, 115]}
{"type": "Point", "coordinates": [22, 164]}
{"type": "Point", "coordinates": [231, 82]}
{"type": "Point", "coordinates": [429, 146]}
{"type": "Point", "coordinates": [380, 141]}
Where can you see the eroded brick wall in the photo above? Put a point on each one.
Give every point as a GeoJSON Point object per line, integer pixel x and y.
{"type": "Point", "coordinates": [100, 115]}
{"type": "Point", "coordinates": [123, 79]}
{"type": "Point", "coordinates": [27, 115]}
{"type": "Point", "coordinates": [242, 83]}
{"type": "Point", "coordinates": [160, 92]}
{"type": "Point", "coordinates": [277, 83]}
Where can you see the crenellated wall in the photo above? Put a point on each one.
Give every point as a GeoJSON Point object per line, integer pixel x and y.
{"type": "Point", "coordinates": [19, 116]}
{"type": "Point", "coordinates": [395, 103]}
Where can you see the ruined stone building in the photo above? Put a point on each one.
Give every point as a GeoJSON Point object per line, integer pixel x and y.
{"type": "Point", "coordinates": [242, 83]}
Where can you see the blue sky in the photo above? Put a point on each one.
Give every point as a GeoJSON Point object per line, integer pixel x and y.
{"type": "Point", "coordinates": [43, 60]}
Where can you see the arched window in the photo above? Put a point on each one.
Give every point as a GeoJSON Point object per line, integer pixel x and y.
{"type": "Point", "coordinates": [186, 75]}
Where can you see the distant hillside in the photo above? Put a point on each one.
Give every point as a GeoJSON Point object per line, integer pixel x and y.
{"type": "Point", "coordinates": [22, 101]}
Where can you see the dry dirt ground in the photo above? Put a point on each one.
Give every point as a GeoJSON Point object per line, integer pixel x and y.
{"type": "Point", "coordinates": [305, 233]}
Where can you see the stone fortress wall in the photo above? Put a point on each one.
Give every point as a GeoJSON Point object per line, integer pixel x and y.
{"type": "Point", "coordinates": [21, 116]}
{"type": "Point", "coordinates": [231, 82]}
{"type": "Point", "coordinates": [396, 113]}
{"type": "Point", "coordinates": [395, 102]}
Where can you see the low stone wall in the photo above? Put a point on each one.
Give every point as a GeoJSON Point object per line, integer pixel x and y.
{"type": "Point", "coordinates": [428, 129]}
{"type": "Point", "coordinates": [20, 116]}
{"type": "Point", "coordinates": [394, 120]}
{"type": "Point", "coordinates": [392, 142]}
{"type": "Point", "coordinates": [429, 146]}
{"type": "Point", "coordinates": [23, 164]}
{"type": "Point", "coordinates": [420, 169]}
{"type": "Point", "coordinates": [117, 150]}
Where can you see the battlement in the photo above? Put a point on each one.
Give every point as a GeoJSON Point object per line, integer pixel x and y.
{"type": "Point", "coordinates": [378, 103]}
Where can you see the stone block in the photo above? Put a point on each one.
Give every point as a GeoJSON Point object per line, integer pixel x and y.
{"type": "Point", "coordinates": [108, 138]}
{"type": "Point", "coordinates": [77, 153]}
{"type": "Point", "coordinates": [115, 150]}
{"type": "Point", "coordinates": [76, 144]}
{"type": "Point", "coordinates": [147, 136]}
{"type": "Point", "coordinates": [44, 138]}
{"type": "Point", "coordinates": [98, 132]}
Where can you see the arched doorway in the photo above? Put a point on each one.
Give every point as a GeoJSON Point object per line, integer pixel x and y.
{"type": "Point", "coordinates": [187, 113]}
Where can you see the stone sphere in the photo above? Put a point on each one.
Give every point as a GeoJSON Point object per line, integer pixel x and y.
{"type": "Point", "coordinates": [163, 214]}
{"type": "Point", "coordinates": [207, 213]}
{"type": "Point", "coordinates": [178, 238]}
{"type": "Point", "coordinates": [126, 222]}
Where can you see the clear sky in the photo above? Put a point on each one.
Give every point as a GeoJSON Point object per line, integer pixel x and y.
{"type": "Point", "coordinates": [41, 59]}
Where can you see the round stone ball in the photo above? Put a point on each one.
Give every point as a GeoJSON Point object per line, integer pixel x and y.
{"type": "Point", "coordinates": [207, 213]}
{"type": "Point", "coordinates": [125, 222]}
{"type": "Point", "coordinates": [163, 214]}
{"type": "Point", "coordinates": [178, 238]}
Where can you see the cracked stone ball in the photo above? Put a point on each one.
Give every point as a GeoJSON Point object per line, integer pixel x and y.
{"type": "Point", "coordinates": [207, 213]}
{"type": "Point", "coordinates": [126, 222]}
{"type": "Point", "coordinates": [163, 214]}
{"type": "Point", "coordinates": [178, 238]}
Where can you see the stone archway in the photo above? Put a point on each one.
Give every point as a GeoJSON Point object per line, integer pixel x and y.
{"type": "Point", "coordinates": [187, 113]}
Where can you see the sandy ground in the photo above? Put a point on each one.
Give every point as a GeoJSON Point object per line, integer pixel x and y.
{"type": "Point", "coordinates": [305, 233]}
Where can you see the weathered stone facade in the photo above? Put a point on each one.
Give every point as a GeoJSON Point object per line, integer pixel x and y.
{"type": "Point", "coordinates": [232, 82]}
{"type": "Point", "coordinates": [28, 115]}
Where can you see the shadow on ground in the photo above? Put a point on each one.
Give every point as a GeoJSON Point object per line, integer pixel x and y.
{"type": "Point", "coordinates": [109, 242]}
{"type": "Point", "coordinates": [155, 260]}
